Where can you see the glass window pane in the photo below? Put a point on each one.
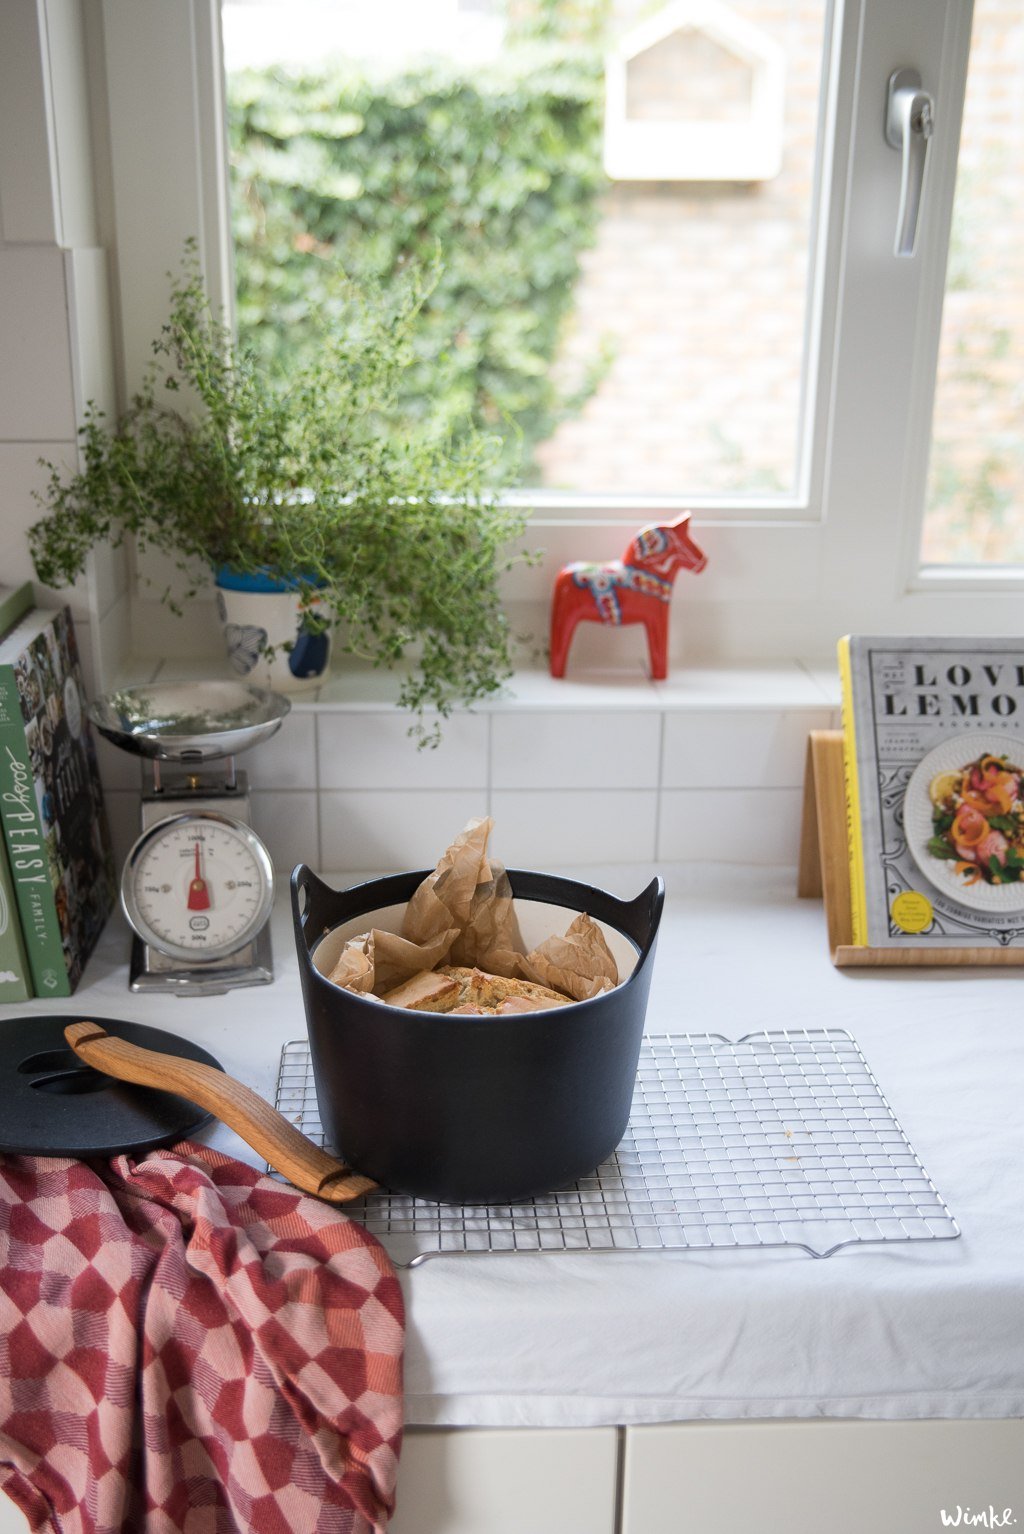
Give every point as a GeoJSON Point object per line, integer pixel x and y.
{"type": "Point", "coordinates": [975, 508]}
{"type": "Point", "coordinates": [623, 294]}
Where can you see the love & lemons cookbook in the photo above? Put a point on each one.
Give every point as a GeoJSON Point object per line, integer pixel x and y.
{"type": "Point", "coordinates": [933, 749]}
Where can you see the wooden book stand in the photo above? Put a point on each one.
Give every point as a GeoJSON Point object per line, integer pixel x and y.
{"type": "Point", "coordinates": [824, 871]}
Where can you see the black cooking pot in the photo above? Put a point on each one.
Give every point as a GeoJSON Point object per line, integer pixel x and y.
{"type": "Point", "coordinates": [474, 1109]}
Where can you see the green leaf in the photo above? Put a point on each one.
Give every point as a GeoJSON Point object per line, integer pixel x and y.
{"type": "Point", "coordinates": [940, 848]}
{"type": "Point", "coordinates": [499, 170]}
{"type": "Point", "coordinates": [1005, 823]}
{"type": "Point", "coordinates": [401, 532]}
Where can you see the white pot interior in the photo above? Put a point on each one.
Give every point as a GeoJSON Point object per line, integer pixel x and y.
{"type": "Point", "coordinates": [537, 920]}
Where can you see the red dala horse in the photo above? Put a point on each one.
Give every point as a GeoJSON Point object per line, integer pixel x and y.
{"type": "Point", "coordinates": [634, 589]}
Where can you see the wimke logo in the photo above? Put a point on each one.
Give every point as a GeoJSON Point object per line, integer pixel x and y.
{"type": "Point", "coordinates": [988, 1518]}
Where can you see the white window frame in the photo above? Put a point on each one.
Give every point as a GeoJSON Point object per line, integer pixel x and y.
{"type": "Point", "coordinates": [785, 577]}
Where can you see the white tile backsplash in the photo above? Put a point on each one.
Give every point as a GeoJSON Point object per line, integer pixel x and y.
{"type": "Point", "coordinates": [705, 768]}
{"type": "Point", "coordinates": [750, 826]}
{"type": "Point", "coordinates": [287, 759]}
{"type": "Point", "coordinates": [575, 750]}
{"type": "Point", "coordinates": [392, 831]}
{"type": "Point", "coordinates": [535, 828]}
{"type": "Point", "coordinates": [288, 824]}
{"type": "Point", "coordinates": [375, 751]}
{"type": "Point", "coordinates": [21, 478]}
{"type": "Point", "coordinates": [36, 402]}
{"type": "Point", "coordinates": [738, 749]}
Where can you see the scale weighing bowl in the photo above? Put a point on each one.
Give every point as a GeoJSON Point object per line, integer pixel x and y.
{"type": "Point", "coordinates": [189, 722]}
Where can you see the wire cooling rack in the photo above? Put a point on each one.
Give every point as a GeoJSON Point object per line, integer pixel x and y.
{"type": "Point", "coordinates": [775, 1139]}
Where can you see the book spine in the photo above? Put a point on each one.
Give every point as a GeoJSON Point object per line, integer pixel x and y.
{"type": "Point", "coordinates": [15, 984]}
{"type": "Point", "coordinates": [854, 831]}
{"type": "Point", "coordinates": [26, 848]}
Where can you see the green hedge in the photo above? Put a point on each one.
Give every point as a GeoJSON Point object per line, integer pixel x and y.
{"type": "Point", "coordinates": [493, 179]}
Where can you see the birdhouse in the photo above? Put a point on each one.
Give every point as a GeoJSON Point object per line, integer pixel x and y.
{"type": "Point", "coordinates": [694, 93]}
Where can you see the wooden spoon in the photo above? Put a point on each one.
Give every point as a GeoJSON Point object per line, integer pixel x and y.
{"type": "Point", "coordinates": [282, 1146]}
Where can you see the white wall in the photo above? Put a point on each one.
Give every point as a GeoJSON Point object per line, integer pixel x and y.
{"type": "Point", "coordinates": [56, 344]}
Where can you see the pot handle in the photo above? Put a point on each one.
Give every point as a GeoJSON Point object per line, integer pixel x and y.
{"type": "Point", "coordinates": [312, 905]}
{"type": "Point", "coordinates": [642, 916]}
{"type": "Point", "coordinates": [279, 1142]}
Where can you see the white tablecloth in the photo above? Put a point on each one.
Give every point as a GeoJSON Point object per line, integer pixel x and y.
{"type": "Point", "coordinates": [915, 1330]}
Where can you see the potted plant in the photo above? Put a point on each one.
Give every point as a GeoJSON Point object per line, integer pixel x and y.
{"type": "Point", "coordinates": [386, 534]}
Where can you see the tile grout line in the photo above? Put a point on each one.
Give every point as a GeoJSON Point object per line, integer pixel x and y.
{"type": "Point", "coordinates": [660, 784]}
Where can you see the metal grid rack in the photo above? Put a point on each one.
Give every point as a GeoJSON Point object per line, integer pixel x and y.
{"type": "Point", "coordinates": [775, 1139]}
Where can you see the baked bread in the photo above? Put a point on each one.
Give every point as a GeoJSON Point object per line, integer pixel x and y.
{"type": "Point", "coordinates": [459, 989]}
{"type": "Point", "coordinates": [426, 991]}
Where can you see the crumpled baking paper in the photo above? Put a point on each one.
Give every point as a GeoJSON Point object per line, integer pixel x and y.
{"type": "Point", "coordinates": [463, 913]}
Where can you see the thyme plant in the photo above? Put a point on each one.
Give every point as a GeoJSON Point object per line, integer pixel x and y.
{"type": "Point", "coordinates": [399, 535]}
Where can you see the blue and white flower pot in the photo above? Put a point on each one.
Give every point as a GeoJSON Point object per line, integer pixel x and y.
{"type": "Point", "coordinates": [261, 613]}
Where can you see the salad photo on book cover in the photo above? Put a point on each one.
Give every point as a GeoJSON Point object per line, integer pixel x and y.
{"type": "Point", "coordinates": [933, 741]}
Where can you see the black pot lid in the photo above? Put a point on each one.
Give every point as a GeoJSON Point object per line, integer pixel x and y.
{"type": "Point", "coordinates": [53, 1104]}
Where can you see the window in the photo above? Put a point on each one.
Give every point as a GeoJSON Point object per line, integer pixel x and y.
{"type": "Point", "coordinates": [786, 572]}
{"type": "Point", "coordinates": [624, 211]}
{"type": "Point", "coordinates": [975, 510]}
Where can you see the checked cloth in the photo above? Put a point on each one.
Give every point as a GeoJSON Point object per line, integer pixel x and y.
{"type": "Point", "coordinates": [189, 1345]}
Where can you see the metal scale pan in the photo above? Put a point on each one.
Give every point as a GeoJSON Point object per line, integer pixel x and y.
{"type": "Point", "coordinates": [188, 722]}
{"type": "Point", "coordinates": [198, 884]}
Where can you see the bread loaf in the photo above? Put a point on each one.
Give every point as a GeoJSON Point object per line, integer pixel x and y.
{"type": "Point", "coordinates": [456, 988]}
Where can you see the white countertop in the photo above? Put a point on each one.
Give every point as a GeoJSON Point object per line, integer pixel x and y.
{"type": "Point", "coordinates": [924, 1329]}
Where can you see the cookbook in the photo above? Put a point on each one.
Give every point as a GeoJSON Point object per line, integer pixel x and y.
{"type": "Point", "coordinates": [933, 752]}
{"type": "Point", "coordinates": [51, 803]}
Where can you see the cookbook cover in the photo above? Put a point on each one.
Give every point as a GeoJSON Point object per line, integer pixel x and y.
{"type": "Point", "coordinates": [933, 745]}
{"type": "Point", "coordinates": [51, 802]}
{"type": "Point", "coordinates": [15, 982]}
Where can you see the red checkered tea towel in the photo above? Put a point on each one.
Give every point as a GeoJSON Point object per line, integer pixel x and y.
{"type": "Point", "coordinates": [188, 1345]}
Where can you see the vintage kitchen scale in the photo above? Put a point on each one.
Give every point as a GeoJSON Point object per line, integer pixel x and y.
{"type": "Point", "coordinates": [198, 884]}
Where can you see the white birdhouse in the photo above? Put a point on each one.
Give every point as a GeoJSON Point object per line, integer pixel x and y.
{"type": "Point", "coordinates": [694, 93]}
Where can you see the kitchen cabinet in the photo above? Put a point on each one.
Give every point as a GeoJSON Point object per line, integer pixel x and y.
{"type": "Point", "coordinates": [785, 1477]}
{"type": "Point", "coordinates": [507, 1481]}
{"type": "Point", "coordinates": [825, 1477]}
{"type": "Point", "coordinates": [490, 1481]}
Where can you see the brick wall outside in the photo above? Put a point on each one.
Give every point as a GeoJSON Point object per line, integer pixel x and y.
{"type": "Point", "coordinates": [699, 292]}
{"type": "Point", "coordinates": [698, 289]}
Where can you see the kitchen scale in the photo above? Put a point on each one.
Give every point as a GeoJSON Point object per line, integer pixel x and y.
{"type": "Point", "coordinates": [198, 884]}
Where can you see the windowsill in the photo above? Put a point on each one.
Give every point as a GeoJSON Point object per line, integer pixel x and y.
{"type": "Point", "coordinates": [356, 688]}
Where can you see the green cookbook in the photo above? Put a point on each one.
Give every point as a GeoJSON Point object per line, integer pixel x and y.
{"type": "Point", "coordinates": [51, 803]}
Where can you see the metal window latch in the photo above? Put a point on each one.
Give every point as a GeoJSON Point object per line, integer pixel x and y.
{"type": "Point", "coordinates": [909, 124]}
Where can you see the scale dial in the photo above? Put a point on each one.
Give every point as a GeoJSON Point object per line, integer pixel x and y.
{"type": "Point", "coordinates": [198, 886]}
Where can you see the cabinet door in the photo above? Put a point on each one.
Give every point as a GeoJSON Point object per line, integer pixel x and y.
{"type": "Point", "coordinates": [507, 1481]}
{"type": "Point", "coordinates": [822, 1477]}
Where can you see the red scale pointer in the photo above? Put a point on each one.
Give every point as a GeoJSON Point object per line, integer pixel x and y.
{"type": "Point", "coordinates": [198, 894]}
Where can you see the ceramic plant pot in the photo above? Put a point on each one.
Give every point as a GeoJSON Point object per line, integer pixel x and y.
{"type": "Point", "coordinates": [261, 613]}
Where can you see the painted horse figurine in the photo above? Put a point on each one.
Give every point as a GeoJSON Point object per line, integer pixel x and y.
{"type": "Point", "coordinates": [634, 589]}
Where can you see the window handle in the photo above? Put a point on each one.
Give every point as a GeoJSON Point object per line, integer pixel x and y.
{"type": "Point", "coordinates": [909, 123]}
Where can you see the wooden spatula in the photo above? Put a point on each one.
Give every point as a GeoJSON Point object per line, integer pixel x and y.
{"type": "Point", "coordinates": [284, 1147]}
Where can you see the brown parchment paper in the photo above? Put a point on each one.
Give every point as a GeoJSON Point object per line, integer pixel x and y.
{"type": "Point", "coordinates": [463, 913]}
